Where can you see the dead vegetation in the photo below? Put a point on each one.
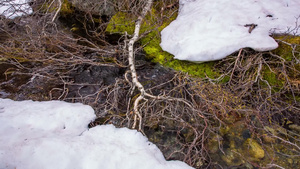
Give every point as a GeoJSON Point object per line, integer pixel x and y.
{"type": "Point", "coordinates": [180, 113]}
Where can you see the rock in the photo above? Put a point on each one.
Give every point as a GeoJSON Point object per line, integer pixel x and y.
{"type": "Point", "coordinates": [231, 158]}
{"type": "Point", "coordinates": [96, 7]}
{"type": "Point", "coordinates": [253, 149]}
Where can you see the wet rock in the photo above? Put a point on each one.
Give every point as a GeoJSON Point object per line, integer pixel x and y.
{"type": "Point", "coordinates": [155, 75]}
{"type": "Point", "coordinates": [166, 138]}
{"type": "Point", "coordinates": [18, 86]}
{"type": "Point", "coordinates": [87, 74]}
{"type": "Point", "coordinates": [88, 79]}
{"type": "Point", "coordinates": [236, 146]}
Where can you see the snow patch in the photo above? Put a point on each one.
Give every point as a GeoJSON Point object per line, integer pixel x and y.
{"type": "Point", "coordinates": [14, 8]}
{"type": "Point", "coordinates": [207, 30]}
{"type": "Point", "coordinates": [54, 134]}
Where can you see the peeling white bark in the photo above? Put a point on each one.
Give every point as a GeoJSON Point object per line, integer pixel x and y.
{"type": "Point", "coordinates": [131, 60]}
{"type": "Point", "coordinates": [57, 11]}
{"type": "Point", "coordinates": [135, 81]}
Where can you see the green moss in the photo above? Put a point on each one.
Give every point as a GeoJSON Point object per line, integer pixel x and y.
{"type": "Point", "coordinates": [297, 98]}
{"type": "Point", "coordinates": [49, 6]}
{"type": "Point", "coordinates": [284, 50]}
{"type": "Point", "coordinates": [66, 9]}
{"type": "Point", "coordinates": [272, 77]}
{"type": "Point", "coordinates": [200, 70]}
{"type": "Point", "coordinates": [45, 8]}
{"type": "Point", "coordinates": [122, 22]}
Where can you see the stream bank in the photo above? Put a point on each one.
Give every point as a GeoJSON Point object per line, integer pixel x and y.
{"type": "Point", "coordinates": [241, 120]}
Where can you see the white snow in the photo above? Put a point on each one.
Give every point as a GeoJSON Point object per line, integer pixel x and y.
{"type": "Point", "coordinates": [207, 30]}
{"type": "Point", "coordinates": [54, 134]}
{"type": "Point", "coordinates": [14, 8]}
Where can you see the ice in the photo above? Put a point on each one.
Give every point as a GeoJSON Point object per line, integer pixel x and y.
{"type": "Point", "coordinates": [207, 30]}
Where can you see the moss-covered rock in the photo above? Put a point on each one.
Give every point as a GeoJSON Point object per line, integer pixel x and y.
{"type": "Point", "coordinates": [253, 149]}
{"type": "Point", "coordinates": [150, 31]}
{"type": "Point", "coordinates": [122, 22]}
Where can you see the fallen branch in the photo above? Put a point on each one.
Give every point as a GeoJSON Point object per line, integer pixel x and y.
{"type": "Point", "coordinates": [58, 10]}
{"type": "Point", "coordinates": [131, 60]}
{"type": "Point", "coordinates": [135, 81]}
